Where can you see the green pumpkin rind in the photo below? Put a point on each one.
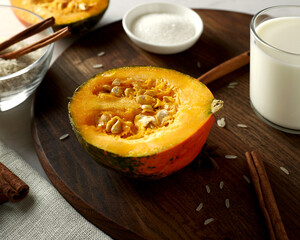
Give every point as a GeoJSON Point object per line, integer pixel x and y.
{"type": "Point", "coordinates": [127, 166]}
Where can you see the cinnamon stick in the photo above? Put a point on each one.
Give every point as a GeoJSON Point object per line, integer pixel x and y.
{"type": "Point", "coordinates": [39, 44]}
{"type": "Point", "coordinates": [265, 196]}
{"type": "Point", "coordinates": [11, 186]}
{"type": "Point", "coordinates": [30, 31]}
{"type": "Point", "coordinates": [225, 68]}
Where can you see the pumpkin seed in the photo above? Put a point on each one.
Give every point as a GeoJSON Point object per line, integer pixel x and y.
{"type": "Point", "coordinates": [128, 92]}
{"type": "Point", "coordinates": [117, 91]}
{"type": "Point", "coordinates": [117, 127]}
{"type": "Point", "coordinates": [82, 6]}
{"type": "Point", "coordinates": [142, 121]}
{"type": "Point", "coordinates": [221, 122]}
{"type": "Point", "coordinates": [216, 105]}
{"type": "Point", "coordinates": [150, 93]}
{"type": "Point", "coordinates": [103, 120]}
{"type": "Point", "coordinates": [145, 99]}
{"type": "Point", "coordinates": [110, 123]}
{"type": "Point", "coordinates": [107, 88]}
{"type": "Point", "coordinates": [161, 115]}
{"type": "Point", "coordinates": [116, 82]}
{"type": "Point", "coordinates": [147, 108]}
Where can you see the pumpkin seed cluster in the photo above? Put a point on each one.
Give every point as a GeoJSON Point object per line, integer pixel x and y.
{"type": "Point", "coordinates": [65, 5]}
{"type": "Point", "coordinates": [158, 104]}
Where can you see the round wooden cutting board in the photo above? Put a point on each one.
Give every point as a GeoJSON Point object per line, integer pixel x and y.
{"type": "Point", "coordinates": [166, 209]}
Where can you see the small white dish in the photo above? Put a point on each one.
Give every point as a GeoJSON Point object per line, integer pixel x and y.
{"type": "Point", "coordinates": [160, 7]}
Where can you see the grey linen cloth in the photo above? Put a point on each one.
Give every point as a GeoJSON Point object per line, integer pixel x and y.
{"type": "Point", "coordinates": [44, 213]}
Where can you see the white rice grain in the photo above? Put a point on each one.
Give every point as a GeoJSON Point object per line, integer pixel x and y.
{"type": "Point", "coordinates": [285, 170]}
{"type": "Point", "coordinates": [98, 66]}
{"type": "Point", "coordinates": [230, 156]}
{"type": "Point", "coordinates": [221, 122]}
{"type": "Point", "coordinates": [100, 54]}
{"type": "Point", "coordinates": [64, 136]}
{"type": "Point", "coordinates": [198, 64]}
{"type": "Point", "coordinates": [233, 83]}
{"type": "Point", "coordinates": [221, 185]}
{"type": "Point", "coordinates": [200, 206]}
{"type": "Point", "coordinates": [207, 188]}
{"type": "Point", "coordinates": [227, 203]}
{"type": "Point", "coordinates": [209, 220]}
{"type": "Point", "coordinates": [242, 125]}
{"type": "Point", "coordinates": [246, 179]}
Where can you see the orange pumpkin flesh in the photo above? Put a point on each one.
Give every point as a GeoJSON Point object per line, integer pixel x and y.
{"type": "Point", "coordinates": [147, 146]}
{"type": "Point", "coordinates": [79, 16]}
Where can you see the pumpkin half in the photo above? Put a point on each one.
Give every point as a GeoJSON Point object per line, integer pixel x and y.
{"type": "Point", "coordinates": [144, 122]}
{"type": "Point", "coordinates": [79, 15]}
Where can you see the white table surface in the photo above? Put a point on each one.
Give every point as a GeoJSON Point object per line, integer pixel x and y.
{"type": "Point", "coordinates": [15, 124]}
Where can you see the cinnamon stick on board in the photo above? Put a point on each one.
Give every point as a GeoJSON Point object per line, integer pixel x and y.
{"type": "Point", "coordinates": [11, 186]}
{"type": "Point", "coordinates": [266, 197]}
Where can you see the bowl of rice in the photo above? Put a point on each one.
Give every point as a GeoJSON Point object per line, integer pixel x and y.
{"type": "Point", "coordinates": [20, 77]}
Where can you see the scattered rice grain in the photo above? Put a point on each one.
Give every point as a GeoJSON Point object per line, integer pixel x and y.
{"type": "Point", "coordinates": [230, 86]}
{"type": "Point", "coordinates": [233, 83]}
{"type": "Point", "coordinates": [230, 156]}
{"type": "Point", "coordinates": [207, 189]}
{"type": "Point", "coordinates": [98, 66]}
{"type": "Point", "coordinates": [227, 203]}
{"type": "Point", "coordinates": [246, 179]}
{"type": "Point", "coordinates": [242, 125]}
{"type": "Point", "coordinates": [285, 170]}
{"type": "Point", "coordinates": [221, 122]}
{"type": "Point", "coordinates": [100, 54]}
{"type": "Point", "coordinates": [198, 64]}
{"type": "Point", "coordinates": [64, 136]}
{"type": "Point", "coordinates": [200, 206]}
{"type": "Point", "coordinates": [221, 185]}
{"type": "Point", "coordinates": [209, 220]}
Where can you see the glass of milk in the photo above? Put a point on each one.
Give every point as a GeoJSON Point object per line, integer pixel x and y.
{"type": "Point", "coordinates": [275, 67]}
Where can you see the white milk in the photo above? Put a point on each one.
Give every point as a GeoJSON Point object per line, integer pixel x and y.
{"type": "Point", "coordinates": [275, 73]}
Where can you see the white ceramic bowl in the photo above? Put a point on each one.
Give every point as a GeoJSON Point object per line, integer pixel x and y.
{"type": "Point", "coordinates": [161, 7]}
{"type": "Point", "coordinates": [25, 75]}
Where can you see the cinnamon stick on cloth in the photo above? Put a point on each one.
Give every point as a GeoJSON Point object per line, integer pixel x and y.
{"type": "Point", "coordinates": [11, 186]}
{"type": "Point", "coordinates": [265, 196]}
{"type": "Point", "coordinates": [43, 213]}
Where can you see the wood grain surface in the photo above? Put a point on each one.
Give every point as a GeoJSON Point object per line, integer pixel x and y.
{"type": "Point", "coordinates": [166, 209]}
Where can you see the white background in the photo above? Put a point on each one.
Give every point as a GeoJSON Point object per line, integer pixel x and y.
{"type": "Point", "coordinates": [15, 124]}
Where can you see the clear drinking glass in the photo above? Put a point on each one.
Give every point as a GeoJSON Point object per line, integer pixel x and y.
{"type": "Point", "coordinates": [275, 67]}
